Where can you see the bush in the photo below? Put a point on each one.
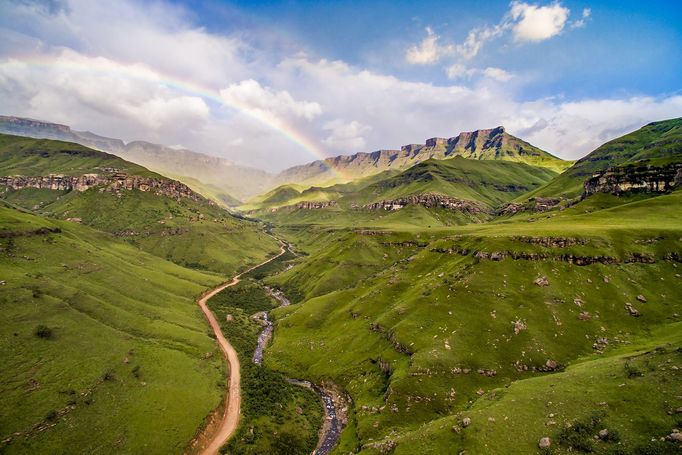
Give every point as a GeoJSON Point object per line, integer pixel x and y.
{"type": "Point", "coordinates": [51, 415]}
{"type": "Point", "coordinates": [108, 376]}
{"type": "Point", "coordinates": [43, 331]}
{"type": "Point", "coordinates": [632, 371]}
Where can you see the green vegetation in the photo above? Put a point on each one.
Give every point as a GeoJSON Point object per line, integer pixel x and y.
{"type": "Point", "coordinates": [277, 417]}
{"type": "Point", "coordinates": [103, 347]}
{"type": "Point", "coordinates": [39, 157]}
{"type": "Point", "coordinates": [192, 233]}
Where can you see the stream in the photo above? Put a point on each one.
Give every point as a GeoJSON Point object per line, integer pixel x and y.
{"type": "Point", "coordinates": [331, 428]}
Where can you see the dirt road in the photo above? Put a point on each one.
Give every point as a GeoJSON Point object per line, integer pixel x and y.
{"type": "Point", "coordinates": [230, 418]}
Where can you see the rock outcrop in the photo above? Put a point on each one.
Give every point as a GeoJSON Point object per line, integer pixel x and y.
{"type": "Point", "coordinates": [113, 182]}
{"type": "Point", "coordinates": [622, 179]}
{"type": "Point", "coordinates": [431, 200]}
{"type": "Point", "coordinates": [313, 205]}
{"type": "Point", "coordinates": [535, 205]}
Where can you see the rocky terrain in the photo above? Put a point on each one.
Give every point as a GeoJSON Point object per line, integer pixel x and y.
{"type": "Point", "coordinates": [618, 180]}
{"type": "Point", "coordinates": [430, 200]}
{"type": "Point", "coordinates": [113, 182]}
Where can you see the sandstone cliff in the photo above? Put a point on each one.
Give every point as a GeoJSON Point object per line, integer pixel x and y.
{"type": "Point", "coordinates": [431, 200]}
{"type": "Point", "coordinates": [113, 182]}
{"type": "Point", "coordinates": [618, 180]}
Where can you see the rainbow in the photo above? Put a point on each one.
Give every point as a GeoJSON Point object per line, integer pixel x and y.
{"type": "Point", "coordinates": [110, 67]}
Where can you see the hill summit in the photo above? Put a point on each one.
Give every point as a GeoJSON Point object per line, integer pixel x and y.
{"type": "Point", "coordinates": [484, 144]}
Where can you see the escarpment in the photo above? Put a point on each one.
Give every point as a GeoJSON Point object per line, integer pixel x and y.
{"type": "Point", "coordinates": [112, 182]}
{"type": "Point", "coordinates": [646, 178]}
{"type": "Point", "coordinates": [430, 200]}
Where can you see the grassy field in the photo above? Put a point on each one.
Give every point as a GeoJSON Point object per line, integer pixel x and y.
{"type": "Point", "coordinates": [102, 345]}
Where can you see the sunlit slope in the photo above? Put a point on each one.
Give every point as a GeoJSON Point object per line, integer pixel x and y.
{"type": "Point", "coordinates": [483, 184]}
{"type": "Point", "coordinates": [423, 325]}
{"type": "Point", "coordinates": [176, 224]}
{"type": "Point", "coordinates": [124, 363]}
{"type": "Point", "coordinates": [655, 141]}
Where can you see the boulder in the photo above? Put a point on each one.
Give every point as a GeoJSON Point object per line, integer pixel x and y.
{"type": "Point", "coordinates": [545, 443]}
{"type": "Point", "coordinates": [541, 281]}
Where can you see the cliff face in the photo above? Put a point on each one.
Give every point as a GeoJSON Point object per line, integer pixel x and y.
{"type": "Point", "coordinates": [430, 200]}
{"type": "Point", "coordinates": [113, 183]}
{"type": "Point", "coordinates": [488, 144]}
{"type": "Point", "coordinates": [652, 179]}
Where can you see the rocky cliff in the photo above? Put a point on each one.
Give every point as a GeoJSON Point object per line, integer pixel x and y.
{"type": "Point", "coordinates": [113, 182]}
{"type": "Point", "coordinates": [431, 200]}
{"type": "Point", "coordinates": [646, 178]}
{"type": "Point", "coordinates": [488, 144]}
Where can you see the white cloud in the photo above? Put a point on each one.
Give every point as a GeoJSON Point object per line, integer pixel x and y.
{"type": "Point", "coordinates": [346, 136]}
{"type": "Point", "coordinates": [534, 23]}
{"type": "Point", "coordinates": [580, 23]}
{"type": "Point", "coordinates": [249, 94]}
{"type": "Point", "coordinates": [161, 84]}
{"type": "Point", "coordinates": [528, 23]}
{"type": "Point", "coordinates": [497, 74]}
{"type": "Point", "coordinates": [428, 51]}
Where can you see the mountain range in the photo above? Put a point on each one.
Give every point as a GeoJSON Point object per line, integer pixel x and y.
{"type": "Point", "coordinates": [225, 181]}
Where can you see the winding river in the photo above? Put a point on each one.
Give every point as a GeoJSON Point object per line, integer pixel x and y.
{"type": "Point", "coordinates": [331, 428]}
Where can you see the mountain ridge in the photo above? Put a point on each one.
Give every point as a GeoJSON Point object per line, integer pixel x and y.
{"type": "Point", "coordinates": [483, 144]}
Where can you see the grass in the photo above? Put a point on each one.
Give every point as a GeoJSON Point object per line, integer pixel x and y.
{"type": "Point", "coordinates": [190, 233]}
{"type": "Point", "coordinates": [100, 343]}
{"type": "Point", "coordinates": [396, 313]}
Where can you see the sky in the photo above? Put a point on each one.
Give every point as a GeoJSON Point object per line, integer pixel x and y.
{"type": "Point", "coordinates": [272, 84]}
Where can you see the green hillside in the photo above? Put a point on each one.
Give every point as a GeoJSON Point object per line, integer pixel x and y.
{"type": "Point", "coordinates": [103, 347]}
{"type": "Point", "coordinates": [188, 231]}
{"type": "Point", "coordinates": [428, 326]}
{"type": "Point", "coordinates": [655, 141]}
{"type": "Point", "coordinates": [488, 184]}
{"type": "Point", "coordinates": [38, 157]}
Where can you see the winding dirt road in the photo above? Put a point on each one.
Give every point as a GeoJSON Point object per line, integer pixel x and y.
{"type": "Point", "coordinates": [230, 418]}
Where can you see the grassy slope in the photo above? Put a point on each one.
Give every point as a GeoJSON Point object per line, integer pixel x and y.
{"type": "Point", "coordinates": [105, 302]}
{"type": "Point", "coordinates": [190, 233]}
{"type": "Point", "coordinates": [655, 140]}
{"type": "Point", "coordinates": [36, 157]}
{"type": "Point", "coordinates": [489, 182]}
{"type": "Point", "coordinates": [367, 298]}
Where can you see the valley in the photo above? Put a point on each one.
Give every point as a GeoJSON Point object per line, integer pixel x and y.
{"type": "Point", "coordinates": [459, 304]}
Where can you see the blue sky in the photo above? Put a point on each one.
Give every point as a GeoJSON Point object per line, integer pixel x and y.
{"type": "Point", "coordinates": [624, 47]}
{"type": "Point", "coordinates": [272, 84]}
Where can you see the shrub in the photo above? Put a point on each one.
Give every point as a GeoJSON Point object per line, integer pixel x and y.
{"type": "Point", "coordinates": [43, 331]}
{"type": "Point", "coordinates": [51, 415]}
{"type": "Point", "coordinates": [108, 376]}
{"type": "Point", "coordinates": [632, 371]}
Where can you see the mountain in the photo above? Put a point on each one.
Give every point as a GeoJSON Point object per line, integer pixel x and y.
{"type": "Point", "coordinates": [654, 143]}
{"type": "Point", "coordinates": [159, 215]}
{"type": "Point", "coordinates": [230, 179]}
{"type": "Point", "coordinates": [490, 144]}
